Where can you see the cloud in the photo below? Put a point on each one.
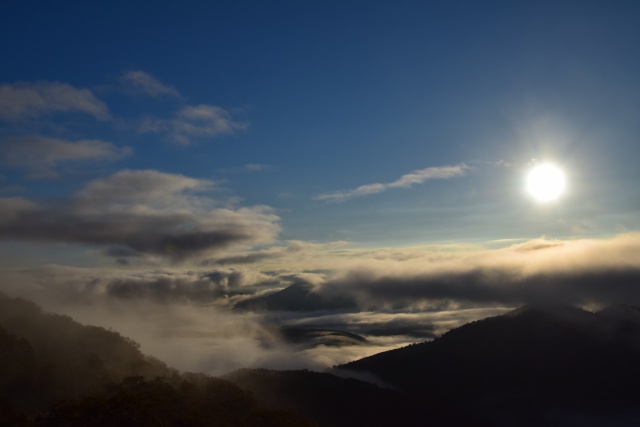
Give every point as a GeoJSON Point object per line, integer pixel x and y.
{"type": "Point", "coordinates": [404, 326]}
{"type": "Point", "coordinates": [579, 272]}
{"type": "Point", "coordinates": [149, 85]}
{"type": "Point", "coordinates": [419, 176]}
{"type": "Point", "coordinates": [250, 257]}
{"type": "Point", "coordinates": [142, 213]}
{"type": "Point", "coordinates": [250, 168]}
{"type": "Point", "coordinates": [63, 284]}
{"type": "Point", "coordinates": [40, 155]}
{"type": "Point", "coordinates": [295, 249]}
{"type": "Point", "coordinates": [180, 316]}
{"type": "Point", "coordinates": [161, 310]}
{"type": "Point", "coordinates": [31, 100]}
{"type": "Point", "coordinates": [255, 167]}
{"type": "Point", "coordinates": [169, 314]}
{"type": "Point", "coordinates": [194, 122]}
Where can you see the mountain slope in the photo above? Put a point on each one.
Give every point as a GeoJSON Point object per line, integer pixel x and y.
{"type": "Point", "coordinates": [75, 375]}
{"type": "Point", "coordinates": [344, 402]}
{"type": "Point", "coordinates": [61, 358]}
{"type": "Point", "coordinates": [533, 357]}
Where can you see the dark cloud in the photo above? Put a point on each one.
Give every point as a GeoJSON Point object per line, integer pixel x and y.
{"type": "Point", "coordinates": [295, 252]}
{"type": "Point", "coordinates": [135, 213]}
{"type": "Point", "coordinates": [575, 272]}
{"type": "Point", "coordinates": [483, 286]}
{"type": "Point", "coordinates": [249, 258]}
{"type": "Point", "coordinates": [264, 254]}
{"type": "Point", "coordinates": [64, 284]}
{"type": "Point", "coordinates": [200, 287]}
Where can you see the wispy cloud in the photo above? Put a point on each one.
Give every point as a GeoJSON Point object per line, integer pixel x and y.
{"type": "Point", "coordinates": [40, 155]}
{"type": "Point", "coordinates": [30, 100]}
{"type": "Point", "coordinates": [194, 122]}
{"type": "Point", "coordinates": [147, 84]}
{"type": "Point", "coordinates": [255, 167]}
{"type": "Point", "coordinates": [416, 177]}
{"type": "Point", "coordinates": [249, 168]}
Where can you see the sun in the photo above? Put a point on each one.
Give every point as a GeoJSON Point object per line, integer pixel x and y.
{"type": "Point", "coordinates": [546, 182]}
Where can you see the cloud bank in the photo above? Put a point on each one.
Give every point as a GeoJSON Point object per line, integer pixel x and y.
{"type": "Point", "coordinates": [137, 214]}
{"type": "Point", "coordinates": [182, 316]}
{"type": "Point", "coordinates": [579, 272]}
{"type": "Point", "coordinates": [419, 176]}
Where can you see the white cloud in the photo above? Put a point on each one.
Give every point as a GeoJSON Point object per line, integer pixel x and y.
{"type": "Point", "coordinates": [41, 155]}
{"type": "Point", "coordinates": [148, 84]}
{"type": "Point", "coordinates": [29, 100]}
{"type": "Point", "coordinates": [255, 167]}
{"type": "Point", "coordinates": [419, 176]}
{"type": "Point", "coordinates": [585, 271]}
{"type": "Point", "coordinates": [194, 122]}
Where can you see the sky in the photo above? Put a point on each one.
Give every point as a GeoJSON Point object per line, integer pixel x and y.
{"type": "Point", "coordinates": [190, 155]}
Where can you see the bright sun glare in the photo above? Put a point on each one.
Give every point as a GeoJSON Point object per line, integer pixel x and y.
{"type": "Point", "coordinates": [545, 182]}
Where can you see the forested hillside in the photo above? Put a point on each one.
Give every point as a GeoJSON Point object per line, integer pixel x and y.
{"type": "Point", "coordinates": [57, 372]}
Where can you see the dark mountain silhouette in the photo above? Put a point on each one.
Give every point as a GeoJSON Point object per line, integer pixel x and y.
{"type": "Point", "coordinates": [333, 401]}
{"type": "Point", "coordinates": [621, 315]}
{"type": "Point", "coordinates": [544, 365]}
{"type": "Point", "coordinates": [552, 365]}
{"type": "Point", "coordinates": [191, 401]}
{"type": "Point", "coordinates": [57, 372]}
{"type": "Point", "coordinates": [297, 297]}
{"type": "Point", "coordinates": [537, 363]}
{"type": "Point", "coordinates": [56, 358]}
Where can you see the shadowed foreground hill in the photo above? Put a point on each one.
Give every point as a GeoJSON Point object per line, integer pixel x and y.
{"type": "Point", "coordinates": [194, 401]}
{"type": "Point", "coordinates": [49, 357]}
{"type": "Point", "coordinates": [535, 364]}
{"type": "Point", "coordinates": [333, 401]}
{"type": "Point", "coordinates": [57, 372]}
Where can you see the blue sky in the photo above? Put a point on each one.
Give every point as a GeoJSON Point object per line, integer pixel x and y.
{"type": "Point", "coordinates": [321, 97]}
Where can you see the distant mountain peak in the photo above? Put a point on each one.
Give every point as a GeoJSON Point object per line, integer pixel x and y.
{"type": "Point", "coordinates": [626, 308]}
{"type": "Point", "coordinates": [546, 308]}
{"type": "Point", "coordinates": [553, 311]}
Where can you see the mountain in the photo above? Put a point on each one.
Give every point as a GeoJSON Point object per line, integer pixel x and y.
{"type": "Point", "coordinates": [539, 365]}
{"type": "Point", "coordinates": [297, 297]}
{"type": "Point", "coordinates": [333, 401]}
{"type": "Point", "coordinates": [57, 358]}
{"type": "Point", "coordinates": [536, 360]}
{"type": "Point", "coordinates": [621, 315]}
{"type": "Point", "coordinates": [56, 372]}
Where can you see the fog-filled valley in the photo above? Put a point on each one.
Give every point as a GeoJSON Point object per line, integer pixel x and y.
{"type": "Point", "coordinates": [536, 365]}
